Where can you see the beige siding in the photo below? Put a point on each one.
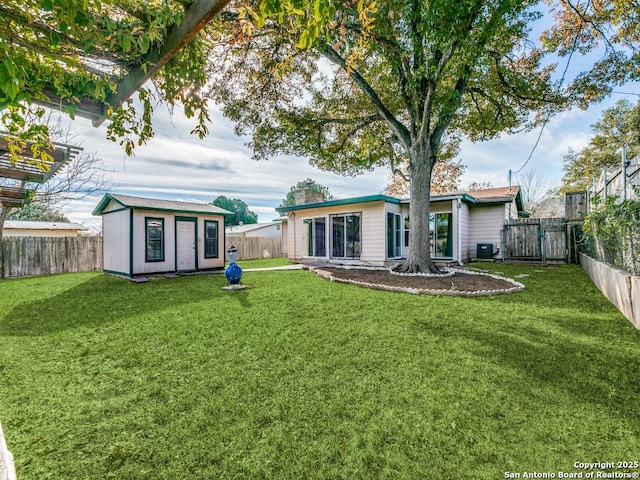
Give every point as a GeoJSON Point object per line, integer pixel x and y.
{"type": "Point", "coordinates": [116, 234]}
{"type": "Point", "coordinates": [285, 238]}
{"type": "Point", "coordinates": [31, 232]}
{"type": "Point", "coordinates": [372, 229]}
{"type": "Point", "coordinates": [486, 227]}
{"type": "Point", "coordinates": [465, 226]}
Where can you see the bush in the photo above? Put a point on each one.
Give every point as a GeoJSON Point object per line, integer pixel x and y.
{"type": "Point", "coordinates": [613, 232]}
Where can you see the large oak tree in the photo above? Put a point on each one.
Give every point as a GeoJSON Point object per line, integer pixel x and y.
{"type": "Point", "coordinates": [367, 94]}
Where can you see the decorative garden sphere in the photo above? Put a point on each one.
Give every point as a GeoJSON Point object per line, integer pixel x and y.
{"type": "Point", "coordinates": [233, 272]}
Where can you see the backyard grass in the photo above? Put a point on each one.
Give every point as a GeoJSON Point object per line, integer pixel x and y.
{"type": "Point", "coordinates": [300, 378]}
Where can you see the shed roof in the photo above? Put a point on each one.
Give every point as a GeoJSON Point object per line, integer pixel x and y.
{"type": "Point", "coordinates": [143, 203]}
{"type": "Point", "coordinates": [32, 225]}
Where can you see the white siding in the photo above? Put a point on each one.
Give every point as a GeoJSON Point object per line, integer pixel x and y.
{"type": "Point", "coordinates": [140, 265]}
{"type": "Point", "coordinates": [116, 236]}
{"type": "Point", "coordinates": [487, 223]}
{"type": "Point", "coordinates": [208, 263]}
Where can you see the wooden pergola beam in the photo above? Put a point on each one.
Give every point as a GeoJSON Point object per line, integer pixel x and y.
{"type": "Point", "coordinates": [196, 17]}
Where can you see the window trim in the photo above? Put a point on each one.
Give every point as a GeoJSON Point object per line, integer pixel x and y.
{"type": "Point", "coordinates": [148, 259]}
{"type": "Point", "coordinates": [217, 254]}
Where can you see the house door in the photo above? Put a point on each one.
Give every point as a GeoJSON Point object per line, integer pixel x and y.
{"type": "Point", "coordinates": [185, 245]}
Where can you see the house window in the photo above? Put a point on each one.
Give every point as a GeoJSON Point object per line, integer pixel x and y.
{"type": "Point", "coordinates": [210, 239]}
{"type": "Point", "coordinates": [315, 234]}
{"type": "Point", "coordinates": [394, 235]}
{"type": "Point", "coordinates": [441, 234]}
{"type": "Point", "coordinates": [345, 235]}
{"type": "Point", "coordinates": [154, 236]}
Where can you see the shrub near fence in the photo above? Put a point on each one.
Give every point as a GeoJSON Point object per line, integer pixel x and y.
{"type": "Point", "coordinates": [27, 256]}
{"type": "Point", "coordinates": [613, 233]}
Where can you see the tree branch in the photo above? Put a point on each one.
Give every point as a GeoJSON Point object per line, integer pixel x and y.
{"type": "Point", "coordinates": [396, 127]}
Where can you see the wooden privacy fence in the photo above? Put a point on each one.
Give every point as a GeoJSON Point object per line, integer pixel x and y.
{"type": "Point", "coordinates": [26, 256]}
{"type": "Point", "coordinates": [29, 256]}
{"type": "Point", "coordinates": [540, 239]}
{"type": "Point", "coordinates": [250, 248]}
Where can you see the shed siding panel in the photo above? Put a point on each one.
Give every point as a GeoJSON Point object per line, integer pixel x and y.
{"type": "Point", "coordinates": [140, 265]}
{"type": "Point", "coordinates": [209, 263]}
{"type": "Point", "coordinates": [486, 226]}
{"type": "Point", "coordinates": [116, 236]}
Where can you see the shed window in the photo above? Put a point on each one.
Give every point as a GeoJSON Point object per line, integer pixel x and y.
{"type": "Point", "coordinates": [210, 239]}
{"type": "Point", "coordinates": [154, 233]}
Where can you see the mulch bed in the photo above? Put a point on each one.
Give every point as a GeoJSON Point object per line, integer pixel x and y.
{"type": "Point", "coordinates": [457, 284]}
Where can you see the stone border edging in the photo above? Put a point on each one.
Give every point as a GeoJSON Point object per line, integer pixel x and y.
{"type": "Point", "coordinates": [517, 286]}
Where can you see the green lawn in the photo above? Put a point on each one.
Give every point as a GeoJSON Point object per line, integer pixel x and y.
{"type": "Point", "coordinates": [300, 378]}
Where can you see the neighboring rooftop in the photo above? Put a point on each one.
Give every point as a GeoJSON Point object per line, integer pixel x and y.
{"type": "Point", "coordinates": [32, 225]}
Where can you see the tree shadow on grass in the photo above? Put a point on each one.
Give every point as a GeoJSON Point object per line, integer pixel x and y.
{"type": "Point", "coordinates": [105, 299]}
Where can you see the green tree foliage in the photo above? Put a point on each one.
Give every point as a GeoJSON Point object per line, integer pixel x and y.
{"type": "Point", "coordinates": [307, 184]}
{"type": "Point", "coordinates": [383, 83]}
{"type": "Point", "coordinates": [619, 125]}
{"type": "Point", "coordinates": [79, 50]}
{"type": "Point", "coordinates": [606, 29]}
{"type": "Point", "coordinates": [38, 210]}
{"type": "Point", "coordinates": [242, 214]}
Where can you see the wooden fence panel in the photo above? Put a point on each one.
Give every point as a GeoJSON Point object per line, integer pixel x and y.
{"type": "Point", "coordinates": [522, 241]}
{"type": "Point", "coordinates": [29, 256]}
{"type": "Point", "coordinates": [537, 239]}
{"type": "Point", "coordinates": [250, 248]}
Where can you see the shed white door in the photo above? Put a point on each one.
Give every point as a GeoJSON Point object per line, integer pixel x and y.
{"type": "Point", "coordinates": [186, 245]}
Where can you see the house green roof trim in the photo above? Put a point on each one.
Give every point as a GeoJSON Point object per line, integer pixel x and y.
{"type": "Point", "coordinates": [346, 201]}
{"type": "Point", "coordinates": [141, 203]}
{"type": "Point", "coordinates": [376, 198]}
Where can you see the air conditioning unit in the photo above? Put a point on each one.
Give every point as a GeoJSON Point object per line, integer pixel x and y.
{"type": "Point", "coordinates": [484, 251]}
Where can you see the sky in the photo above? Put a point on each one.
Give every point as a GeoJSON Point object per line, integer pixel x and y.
{"type": "Point", "coordinates": [176, 165]}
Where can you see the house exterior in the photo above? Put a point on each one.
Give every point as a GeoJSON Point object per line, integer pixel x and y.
{"type": "Point", "coordinates": [25, 228]}
{"type": "Point", "coordinates": [375, 228]}
{"type": "Point", "coordinates": [272, 229]}
{"type": "Point", "coordinates": [143, 236]}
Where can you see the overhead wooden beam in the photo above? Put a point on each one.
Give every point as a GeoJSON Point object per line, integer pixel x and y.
{"type": "Point", "coordinates": [13, 196]}
{"type": "Point", "coordinates": [196, 17]}
{"type": "Point", "coordinates": [87, 108]}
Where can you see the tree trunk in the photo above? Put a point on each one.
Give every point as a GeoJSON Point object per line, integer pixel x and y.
{"type": "Point", "coordinates": [421, 161]}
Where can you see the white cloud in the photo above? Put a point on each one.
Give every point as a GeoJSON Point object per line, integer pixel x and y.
{"type": "Point", "coordinates": [178, 165]}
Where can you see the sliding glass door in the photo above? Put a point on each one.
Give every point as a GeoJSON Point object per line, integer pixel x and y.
{"type": "Point", "coordinates": [315, 231]}
{"type": "Point", "coordinates": [394, 235]}
{"type": "Point", "coordinates": [441, 234]}
{"type": "Point", "coordinates": [345, 235]}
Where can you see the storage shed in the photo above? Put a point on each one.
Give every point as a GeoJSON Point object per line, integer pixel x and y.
{"type": "Point", "coordinates": [146, 236]}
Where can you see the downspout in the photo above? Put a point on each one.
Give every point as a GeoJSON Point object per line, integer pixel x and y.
{"type": "Point", "coordinates": [459, 227]}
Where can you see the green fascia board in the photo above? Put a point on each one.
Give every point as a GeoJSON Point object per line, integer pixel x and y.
{"type": "Point", "coordinates": [104, 202]}
{"type": "Point", "coordinates": [346, 201]}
